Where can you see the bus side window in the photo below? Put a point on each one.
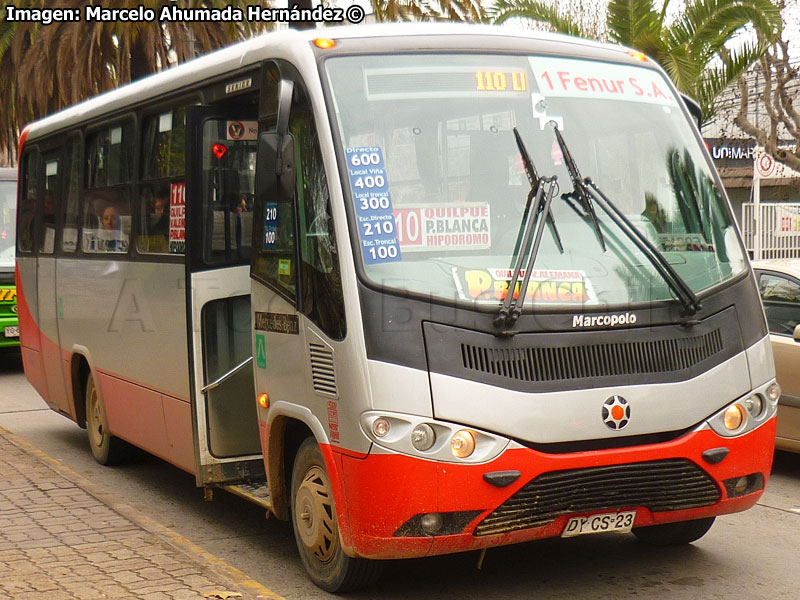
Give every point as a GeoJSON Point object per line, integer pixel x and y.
{"type": "Point", "coordinates": [323, 299]}
{"type": "Point", "coordinates": [72, 171]}
{"type": "Point", "coordinates": [107, 209]}
{"type": "Point", "coordinates": [27, 202]}
{"type": "Point", "coordinates": [163, 165]}
{"type": "Point", "coordinates": [52, 191]}
{"type": "Point", "coordinates": [274, 261]}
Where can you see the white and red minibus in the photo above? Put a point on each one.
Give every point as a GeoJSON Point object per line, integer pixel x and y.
{"type": "Point", "coordinates": [420, 289]}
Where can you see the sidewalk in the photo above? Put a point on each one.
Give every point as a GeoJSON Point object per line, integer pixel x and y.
{"type": "Point", "coordinates": [61, 537]}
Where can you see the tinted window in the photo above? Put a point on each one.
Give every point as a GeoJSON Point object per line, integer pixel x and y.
{"type": "Point", "coordinates": [52, 189]}
{"type": "Point", "coordinates": [110, 156]}
{"type": "Point", "coordinates": [72, 174]}
{"type": "Point", "coordinates": [27, 202]}
{"type": "Point", "coordinates": [228, 176]}
{"type": "Point", "coordinates": [781, 296]}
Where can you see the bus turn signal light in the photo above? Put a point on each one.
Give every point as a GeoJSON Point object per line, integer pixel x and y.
{"type": "Point", "coordinates": [324, 43]}
{"type": "Point", "coordinates": [638, 55]}
{"type": "Point", "coordinates": [462, 443]}
{"type": "Point", "coordinates": [263, 400]}
{"type": "Point", "coordinates": [734, 417]}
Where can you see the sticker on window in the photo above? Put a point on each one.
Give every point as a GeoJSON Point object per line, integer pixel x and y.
{"type": "Point", "coordinates": [241, 130]}
{"type": "Point", "coordinates": [177, 218]}
{"type": "Point", "coordinates": [572, 78]}
{"type": "Point", "coordinates": [544, 287]}
{"type": "Point", "coordinates": [684, 242]}
{"type": "Point", "coordinates": [431, 227]}
{"type": "Point", "coordinates": [377, 231]}
{"type": "Point", "coordinates": [270, 225]}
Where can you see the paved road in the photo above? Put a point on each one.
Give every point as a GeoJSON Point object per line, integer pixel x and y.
{"type": "Point", "coordinates": [748, 555]}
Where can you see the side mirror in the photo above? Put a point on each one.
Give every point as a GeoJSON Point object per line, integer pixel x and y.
{"type": "Point", "coordinates": [694, 109]}
{"type": "Point", "coordinates": [285, 93]}
{"type": "Point", "coordinates": [796, 334]}
{"type": "Point", "coordinates": [275, 173]}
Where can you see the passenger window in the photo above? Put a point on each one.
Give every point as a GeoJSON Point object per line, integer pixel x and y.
{"type": "Point", "coordinates": [72, 172]}
{"type": "Point", "coordinates": [51, 195]}
{"type": "Point", "coordinates": [228, 178]}
{"type": "Point", "coordinates": [781, 297]}
{"type": "Point", "coordinates": [109, 156]}
{"type": "Point", "coordinates": [28, 201]}
{"type": "Point", "coordinates": [107, 207]}
{"type": "Point", "coordinates": [162, 194]}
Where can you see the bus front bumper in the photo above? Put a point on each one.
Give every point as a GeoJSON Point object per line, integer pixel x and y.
{"type": "Point", "coordinates": [395, 502]}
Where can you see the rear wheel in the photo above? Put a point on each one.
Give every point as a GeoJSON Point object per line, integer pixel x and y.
{"type": "Point", "coordinates": [674, 534]}
{"type": "Point", "coordinates": [316, 530]}
{"type": "Point", "coordinates": [106, 449]}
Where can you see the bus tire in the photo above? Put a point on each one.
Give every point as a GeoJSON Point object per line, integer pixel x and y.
{"type": "Point", "coordinates": [674, 534]}
{"type": "Point", "coordinates": [106, 449]}
{"type": "Point", "coordinates": [316, 529]}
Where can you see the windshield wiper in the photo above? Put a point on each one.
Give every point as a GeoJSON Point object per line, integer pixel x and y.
{"type": "Point", "coordinates": [512, 307]}
{"type": "Point", "coordinates": [533, 180]}
{"type": "Point", "coordinates": [590, 190]}
{"type": "Point", "coordinates": [678, 285]}
{"type": "Point", "coordinates": [540, 198]}
{"type": "Point", "coordinates": [579, 189]}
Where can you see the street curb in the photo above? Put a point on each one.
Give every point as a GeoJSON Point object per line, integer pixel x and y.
{"type": "Point", "coordinates": [196, 553]}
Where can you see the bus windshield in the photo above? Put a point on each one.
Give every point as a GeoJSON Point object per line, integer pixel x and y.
{"type": "Point", "coordinates": [8, 203]}
{"type": "Point", "coordinates": [439, 188]}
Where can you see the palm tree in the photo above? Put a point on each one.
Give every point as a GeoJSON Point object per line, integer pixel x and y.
{"type": "Point", "coordinates": [46, 68]}
{"type": "Point", "coordinates": [694, 47]}
{"type": "Point", "coordinates": [472, 11]}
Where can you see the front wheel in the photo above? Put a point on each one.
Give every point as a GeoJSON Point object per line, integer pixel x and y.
{"type": "Point", "coordinates": [674, 534]}
{"type": "Point", "coordinates": [316, 529]}
{"type": "Point", "coordinates": [106, 449]}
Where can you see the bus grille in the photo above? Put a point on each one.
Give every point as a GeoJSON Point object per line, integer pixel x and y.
{"type": "Point", "coordinates": [558, 363]}
{"type": "Point", "coordinates": [663, 485]}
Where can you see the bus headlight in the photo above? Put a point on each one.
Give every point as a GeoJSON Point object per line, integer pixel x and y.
{"type": "Point", "coordinates": [754, 405]}
{"type": "Point", "coordinates": [423, 437]}
{"type": "Point", "coordinates": [462, 444]}
{"type": "Point", "coordinates": [431, 439]}
{"type": "Point", "coordinates": [734, 417]}
{"type": "Point", "coordinates": [747, 413]}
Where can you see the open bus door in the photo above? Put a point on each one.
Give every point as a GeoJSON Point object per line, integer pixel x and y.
{"type": "Point", "coordinates": [219, 188]}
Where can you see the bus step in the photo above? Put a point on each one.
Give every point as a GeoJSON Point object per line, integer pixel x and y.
{"type": "Point", "coordinates": [257, 492]}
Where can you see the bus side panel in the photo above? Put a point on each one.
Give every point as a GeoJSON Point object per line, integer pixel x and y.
{"type": "Point", "coordinates": [30, 346]}
{"type": "Point", "coordinates": [135, 414]}
{"type": "Point", "coordinates": [48, 333]}
{"type": "Point", "coordinates": [178, 421]}
{"type": "Point", "coordinates": [130, 317]}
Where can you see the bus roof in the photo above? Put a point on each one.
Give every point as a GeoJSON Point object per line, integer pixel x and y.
{"type": "Point", "coordinates": [272, 45]}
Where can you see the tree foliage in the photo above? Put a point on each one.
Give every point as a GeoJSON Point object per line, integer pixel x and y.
{"type": "Point", "coordinates": [47, 68]}
{"type": "Point", "coordinates": [693, 46]}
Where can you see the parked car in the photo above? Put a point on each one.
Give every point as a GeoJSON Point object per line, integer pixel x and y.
{"type": "Point", "coordinates": [779, 286]}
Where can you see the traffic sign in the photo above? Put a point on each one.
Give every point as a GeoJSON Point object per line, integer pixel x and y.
{"type": "Point", "coordinates": [764, 164]}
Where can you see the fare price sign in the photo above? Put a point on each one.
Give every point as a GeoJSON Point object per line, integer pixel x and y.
{"type": "Point", "coordinates": [572, 78]}
{"type": "Point", "coordinates": [369, 183]}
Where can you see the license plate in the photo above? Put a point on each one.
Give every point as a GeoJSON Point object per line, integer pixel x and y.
{"type": "Point", "coordinates": [620, 522]}
{"type": "Point", "coordinates": [12, 331]}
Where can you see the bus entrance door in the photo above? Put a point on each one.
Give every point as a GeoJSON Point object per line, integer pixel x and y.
{"type": "Point", "coordinates": [219, 192]}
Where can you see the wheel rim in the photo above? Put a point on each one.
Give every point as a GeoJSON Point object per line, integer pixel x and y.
{"type": "Point", "coordinates": [95, 425]}
{"type": "Point", "coordinates": [315, 516]}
